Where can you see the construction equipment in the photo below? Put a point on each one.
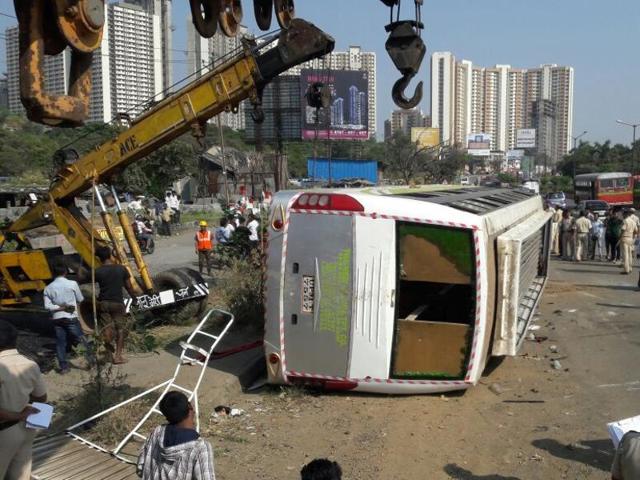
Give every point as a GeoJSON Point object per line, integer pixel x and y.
{"type": "Point", "coordinates": [25, 272]}
{"type": "Point", "coordinates": [47, 27]}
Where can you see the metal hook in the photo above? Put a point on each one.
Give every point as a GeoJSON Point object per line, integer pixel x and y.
{"type": "Point", "coordinates": [398, 96]}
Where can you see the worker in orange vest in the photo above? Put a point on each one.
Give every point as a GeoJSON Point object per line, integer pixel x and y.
{"type": "Point", "coordinates": [204, 246]}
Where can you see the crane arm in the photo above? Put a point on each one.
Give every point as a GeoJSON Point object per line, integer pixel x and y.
{"type": "Point", "coordinates": [216, 91]}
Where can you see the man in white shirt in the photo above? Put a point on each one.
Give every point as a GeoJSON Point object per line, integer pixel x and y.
{"type": "Point", "coordinates": [253, 227]}
{"type": "Point", "coordinates": [61, 297]}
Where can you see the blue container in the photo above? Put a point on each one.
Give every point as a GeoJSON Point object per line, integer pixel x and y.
{"type": "Point", "coordinates": [339, 169]}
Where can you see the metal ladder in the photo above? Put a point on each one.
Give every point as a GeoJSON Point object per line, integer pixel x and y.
{"type": "Point", "coordinates": [201, 359]}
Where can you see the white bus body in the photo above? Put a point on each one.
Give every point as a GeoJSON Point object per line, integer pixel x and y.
{"type": "Point", "coordinates": [400, 290]}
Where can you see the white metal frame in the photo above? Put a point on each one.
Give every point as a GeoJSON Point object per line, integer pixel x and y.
{"type": "Point", "coordinates": [167, 386]}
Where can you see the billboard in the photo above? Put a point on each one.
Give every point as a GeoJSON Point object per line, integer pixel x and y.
{"type": "Point", "coordinates": [425, 136]}
{"type": "Point", "coordinates": [479, 144]}
{"type": "Point", "coordinates": [347, 117]}
{"type": "Point", "coordinates": [526, 138]}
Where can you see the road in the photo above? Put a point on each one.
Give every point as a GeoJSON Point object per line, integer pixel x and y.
{"type": "Point", "coordinates": [525, 420]}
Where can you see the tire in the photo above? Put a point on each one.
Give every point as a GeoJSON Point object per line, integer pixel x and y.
{"type": "Point", "coordinates": [151, 246]}
{"type": "Point", "coordinates": [182, 313]}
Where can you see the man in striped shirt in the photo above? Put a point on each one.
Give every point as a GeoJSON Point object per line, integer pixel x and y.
{"type": "Point", "coordinates": [176, 451]}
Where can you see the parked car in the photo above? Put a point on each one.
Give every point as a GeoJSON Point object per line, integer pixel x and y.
{"type": "Point", "coordinates": [465, 181]}
{"type": "Point", "coordinates": [556, 199]}
{"type": "Point", "coordinates": [596, 206]}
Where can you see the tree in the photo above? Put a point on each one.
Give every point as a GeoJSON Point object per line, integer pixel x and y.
{"type": "Point", "coordinates": [595, 158]}
{"type": "Point", "coordinates": [446, 165]}
{"type": "Point", "coordinates": [402, 157]}
{"type": "Point", "coordinates": [157, 172]}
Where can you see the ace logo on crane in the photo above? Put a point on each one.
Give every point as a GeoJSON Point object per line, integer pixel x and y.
{"type": "Point", "coordinates": [128, 145]}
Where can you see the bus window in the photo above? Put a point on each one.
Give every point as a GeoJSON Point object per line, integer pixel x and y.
{"type": "Point", "coordinates": [606, 184]}
{"type": "Point", "coordinates": [622, 183]}
{"type": "Point", "coordinates": [436, 302]}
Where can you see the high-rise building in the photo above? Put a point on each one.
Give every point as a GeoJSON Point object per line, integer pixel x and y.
{"type": "Point", "coordinates": [354, 59]}
{"type": "Point", "coordinates": [201, 52]}
{"type": "Point", "coordinates": [498, 101]}
{"type": "Point", "coordinates": [4, 94]}
{"type": "Point", "coordinates": [404, 120]}
{"type": "Point", "coordinates": [129, 69]}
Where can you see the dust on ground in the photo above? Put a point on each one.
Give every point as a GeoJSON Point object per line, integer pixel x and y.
{"type": "Point", "coordinates": [540, 415]}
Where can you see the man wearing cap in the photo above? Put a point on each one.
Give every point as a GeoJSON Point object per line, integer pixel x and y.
{"type": "Point", "coordinates": [204, 246]}
{"type": "Point", "coordinates": [629, 233]}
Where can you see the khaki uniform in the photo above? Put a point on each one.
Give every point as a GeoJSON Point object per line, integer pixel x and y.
{"type": "Point", "coordinates": [19, 378]}
{"type": "Point", "coordinates": [583, 227]}
{"type": "Point", "coordinates": [626, 462]}
{"type": "Point", "coordinates": [555, 231]}
{"type": "Point", "coordinates": [629, 232]}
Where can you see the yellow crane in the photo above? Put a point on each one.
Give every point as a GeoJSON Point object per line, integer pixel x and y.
{"type": "Point", "coordinates": [26, 272]}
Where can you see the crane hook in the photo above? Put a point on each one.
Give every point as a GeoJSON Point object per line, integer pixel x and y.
{"type": "Point", "coordinates": [397, 93]}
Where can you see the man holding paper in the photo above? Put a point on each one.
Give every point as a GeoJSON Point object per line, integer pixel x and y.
{"type": "Point", "coordinates": [21, 383]}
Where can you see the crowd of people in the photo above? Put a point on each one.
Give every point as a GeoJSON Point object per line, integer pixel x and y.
{"type": "Point", "coordinates": [584, 235]}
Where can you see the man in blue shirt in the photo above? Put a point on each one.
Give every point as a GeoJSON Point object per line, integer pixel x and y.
{"type": "Point", "coordinates": [61, 297]}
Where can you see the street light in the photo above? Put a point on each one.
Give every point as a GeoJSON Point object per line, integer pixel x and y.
{"type": "Point", "coordinates": [575, 144]}
{"type": "Point", "coordinates": [633, 145]}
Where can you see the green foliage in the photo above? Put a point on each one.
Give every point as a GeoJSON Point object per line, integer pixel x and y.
{"type": "Point", "coordinates": [402, 158]}
{"type": "Point", "coordinates": [509, 178]}
{"type": "Point", "coordinates": [556, 184]}
{"type": "Point", "coordinates": [160, 169]}
{"type": "Point", "coordinates": [598, 157]}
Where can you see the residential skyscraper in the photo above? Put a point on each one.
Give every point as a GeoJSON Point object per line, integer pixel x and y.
{"type": "Point", "coordinates": [467, 99]}
{"type": "Point", "coordinates": [404, 120]}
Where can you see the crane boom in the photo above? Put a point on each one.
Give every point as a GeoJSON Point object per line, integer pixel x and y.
{"type": "Point", "coordinates": [221, 89]}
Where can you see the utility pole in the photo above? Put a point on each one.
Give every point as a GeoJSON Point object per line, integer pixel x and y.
{"type": "Point", "coordinates": [575, 145]}
{"type": "Point", "coordinates": [633, 145]}
{"type": "Point", "coordinates": [224, 161]}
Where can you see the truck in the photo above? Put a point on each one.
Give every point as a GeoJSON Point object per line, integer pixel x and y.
{"type": "Point", "coordinates": [400, 290]}
{"type": "Point", "coordinates": [25, 271]}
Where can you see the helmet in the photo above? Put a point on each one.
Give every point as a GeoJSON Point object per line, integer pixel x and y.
{"type": "Point", "coordinates": [203, 223]}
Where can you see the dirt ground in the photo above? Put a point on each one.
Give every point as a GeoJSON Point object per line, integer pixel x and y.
{"type": "Point", "coordinates": [525, 420]}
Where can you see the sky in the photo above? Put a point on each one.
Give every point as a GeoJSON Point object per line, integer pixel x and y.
{"type": "Point", "coordinates": [598, 38]}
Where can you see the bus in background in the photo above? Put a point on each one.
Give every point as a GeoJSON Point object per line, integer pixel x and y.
{"type": "Point", "coordinates": [636, 191]}
{"type": "Point", "coordinates": [615, 188]}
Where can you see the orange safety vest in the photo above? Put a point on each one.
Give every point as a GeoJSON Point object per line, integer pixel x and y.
{"type": "Point", "coordinates": [204, 240]}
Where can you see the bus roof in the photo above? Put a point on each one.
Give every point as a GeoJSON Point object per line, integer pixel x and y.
{"type": "Point", "coordinates": [477, 200]}
{"type": "Point", "coordinates": [602, 176]}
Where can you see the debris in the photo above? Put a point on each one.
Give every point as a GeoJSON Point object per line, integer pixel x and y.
{"type": "Point", "coordinates": [573, 310]}
{"type": "Point", "coordinates": [577, 446]}
{"type": "Point", "coordinates": [444, 398]}
{"type": "Point", "coordinates": [535, 457]}
{"type": "Point", "coordinates": [534, 328]}
{"type": "Point", "coordinates": [556, 365]}
{"type": "Point", "coordinates": [496, 388]}
{"type": "Point", "coordinates": [541, 338]}
{"type": "Point", "coordinates": [237, 412]}
{"type": "Point", "coordinates": [221, 411]}
{"type": "Point", "coordinates": [523, 401]}
{"type": "Point", "coordinates": [553, 348]}
{"type": "Point", "coordinates": [531, 337]}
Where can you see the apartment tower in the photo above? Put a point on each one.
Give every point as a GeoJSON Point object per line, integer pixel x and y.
{"type": "Point", "coordinates": [467, 99]}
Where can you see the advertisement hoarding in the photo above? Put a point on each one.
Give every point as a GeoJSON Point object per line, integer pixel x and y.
{"type": "Point", "coordinates": [347, 117]}
{"type": "Point", "coordinates": [479, 144]}
{"type": "Point", "coordinates": [426, 137]}
{"type": "Point", "coordinates": [526, 138]}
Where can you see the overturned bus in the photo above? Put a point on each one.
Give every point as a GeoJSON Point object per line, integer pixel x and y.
{"type": "Point", "coordinates": [400, 290]}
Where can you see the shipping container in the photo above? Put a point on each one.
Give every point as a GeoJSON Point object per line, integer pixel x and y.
{"type": "Point", "coordinates": [340, 169]}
